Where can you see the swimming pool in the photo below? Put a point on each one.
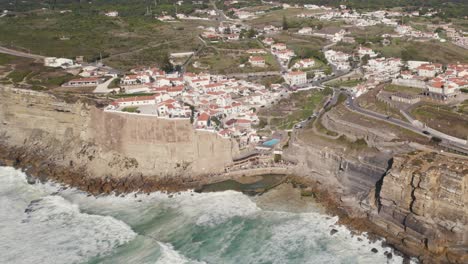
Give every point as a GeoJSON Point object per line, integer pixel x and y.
{"type": "Point", "coordinates": [271, 142]}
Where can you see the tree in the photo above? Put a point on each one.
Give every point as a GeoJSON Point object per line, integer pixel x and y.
{"type": "Point", "coordinates": [285, 23]}
{"type": "Point", "coordinates": [251, 33]}
{"type": "Point", "coordinates": [166, 64]}
{"type": "Point", "coordinates": [365, 59]}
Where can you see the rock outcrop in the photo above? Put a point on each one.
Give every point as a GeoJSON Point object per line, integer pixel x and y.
{"type": "Point", "coordinates": [423, 202]}
{"type": "Point", "coordinates": [417, 200]}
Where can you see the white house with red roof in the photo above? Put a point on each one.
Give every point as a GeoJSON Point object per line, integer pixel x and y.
{"type": "Point", "coordinates": [85, 82]}
{"type": "Point", "coordinates": [257, 61]}
{"type": "Point", "coordinates": [161, 82]}
{"type": "Point", "coordinates": [363, 51]}
{"type": "Point", "coordinates": [203, 120]}
{"type": "Point", "coordinates": [295, 78]}
{"type": "Point", "coordinates": [278, 46]}
{"type": "Point", "coordinates": [304, 63]}
{"type": "Point", "coordinates": [285, 54]}
{"type": "Point", "coordinates": [256, 51]}
{"type": "Point", "coordinates": [175, 90]}
{"type": "Point", "coordinates": [429, 70]}
{"type": "Point", "coordinates": [268, 41]}
{"type": "Point", "coordinates": [198, 82]}
{"type": "Point", "coordinates": [135, 101]}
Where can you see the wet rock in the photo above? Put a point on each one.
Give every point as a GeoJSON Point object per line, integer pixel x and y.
{"type": "Point", "coordinates": [374, 250]}
{"type": "Point", "coordinates": [333, 231]}
{"type": "Point", "coordinates": [30, 179]}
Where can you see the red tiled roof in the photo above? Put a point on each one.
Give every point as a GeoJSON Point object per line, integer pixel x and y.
{"type": "Point", "coordinates": [203, 117]}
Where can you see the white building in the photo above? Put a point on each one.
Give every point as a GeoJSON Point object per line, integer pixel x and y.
{"type": "Point", "coordinates": [305, 31]}
{"type": "Point", "coordinates": [363, 51]}
{"type": "Point", "coordinates": [429, 70]}
{"type": "Point", "coordinates": [58, 62]}
{"type": "Point", "coordinates": [295, 78]}
{"type": "Point", "coordinates": [112, 14]}
{"type": "Point", "coordinates": [257, 61]}
{"type": "Point", "coordinates": [413, 65]}
{"type": "Point", "coordinates": [303, 64]}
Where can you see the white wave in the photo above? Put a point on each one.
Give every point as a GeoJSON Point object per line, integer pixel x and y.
{"type": "Point", "coordinates": [39, 228]}
{"type": "Point", "coordinates": [57, 224]}
{"type": "Point", "coordinates": [212, 209]}
{"type": "Point", "coordinates": [170, 256]}
{"type": "Point", "coordinates": [306, 237]}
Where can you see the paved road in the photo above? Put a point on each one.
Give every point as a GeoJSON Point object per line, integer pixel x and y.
{"type": "Point", "coordinates": [102, 88]}
{"type": "Point", "coordinates": [354, 106]}
{"type": "Point", "coordinates": [21, 54]}
{"type": "Point", "coordinates": [221, 15]}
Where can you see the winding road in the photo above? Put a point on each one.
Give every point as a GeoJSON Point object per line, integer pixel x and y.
{"type": "Point", "coordinates": [352, 105]}
{"type": "Point", "coordinates": [21, 54]}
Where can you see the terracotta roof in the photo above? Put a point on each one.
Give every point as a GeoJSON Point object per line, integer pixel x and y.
{"type": "Point", "coordinates": [203, 117]}
{"type": "Point", "coordinates": [90, 79]}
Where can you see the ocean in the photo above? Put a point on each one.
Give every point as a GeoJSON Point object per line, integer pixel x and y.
{"type": "Point", "coordinates": [47, 223]}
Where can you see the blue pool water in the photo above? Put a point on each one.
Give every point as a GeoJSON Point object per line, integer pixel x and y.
{"type": "Point", "coordinates": [271, 142]}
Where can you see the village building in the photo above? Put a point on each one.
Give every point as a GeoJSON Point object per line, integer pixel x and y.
{"type": "Point", "coordinates": [112, 14]}
{"type": "Point", "coordinates": [256, 51]}
{"type": "Point", "coordinates": [268, 41]}
{"type": "Point", "coordinates": [305, 31]}
{"type": "Point", "coordinates": [59, 62]}
{"type": "Point", "coordinates": [203, 120]}
{"type": "Point", "coordinates": [257, 61]}
{"type": "Point", "coordinates": [294, 78]}
{"type": "Point", "coordinates": [363, 51]}
{"type": "Point", "coordinates": [84, 82]}
{"type": "Point", "coordinates": [304, 64]}
{"type": "Point", "coordinates": [429, 70]}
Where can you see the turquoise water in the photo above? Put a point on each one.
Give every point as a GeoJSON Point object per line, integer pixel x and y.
{"type": "Point", "coordinates": [271, 142]}
{"type": "Point", "coordinates": [45, 223]}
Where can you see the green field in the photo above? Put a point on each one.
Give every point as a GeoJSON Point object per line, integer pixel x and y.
{"type": "Point", "coordinates": [123, 42]}
{"type": "Point", "coordinates": [402, 89]}
{"type": "Point", "coordinates": [288, 112]}
{"type": "Point", "coordinates": [434, 51]}
{"type": "Point", "coordinates": [223, 62]}
{"type": "Point", "coordinates": [18, 70]}
{"type": "Point", "coordinates": [347, 83]}
{"type": "Point", "coordinates": [443, 119]}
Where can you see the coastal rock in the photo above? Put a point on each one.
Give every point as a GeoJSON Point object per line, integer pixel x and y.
{"type": "Point", "coordinates": [416, 200]}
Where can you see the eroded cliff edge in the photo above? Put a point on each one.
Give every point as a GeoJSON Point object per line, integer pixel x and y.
{"type": "Point", "coordinates": [416, 199]}
{"type": "Point", "coordinates": [98, 151]}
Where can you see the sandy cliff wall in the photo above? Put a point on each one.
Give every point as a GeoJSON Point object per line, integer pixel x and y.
{"type": "Point", "coordinates": [100, 144]}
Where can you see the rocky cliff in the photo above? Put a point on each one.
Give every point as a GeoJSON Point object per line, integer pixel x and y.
{"type": "Point", "coordinates": [53, 137]}
{"type": "Point", "coordinates": [417, 200]}
{"type": "Point", "coordinates": [423, 202]}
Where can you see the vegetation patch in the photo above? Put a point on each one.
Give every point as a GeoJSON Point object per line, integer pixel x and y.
{"type": "Point", "coordinates": [443, 119]}
{"type": "Point", "coordinates": [131, 109]}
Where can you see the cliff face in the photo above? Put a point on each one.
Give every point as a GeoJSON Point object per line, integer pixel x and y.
{"type": "Point", "coordinates": [423, 200]}
{"type": "Point", "coordinates": [86, 140]}
{"type": "Point", "coordinates": [418, 201]}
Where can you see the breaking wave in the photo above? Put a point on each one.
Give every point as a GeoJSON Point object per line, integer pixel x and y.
{"type": "Point", "coordinates": [45, 223]}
